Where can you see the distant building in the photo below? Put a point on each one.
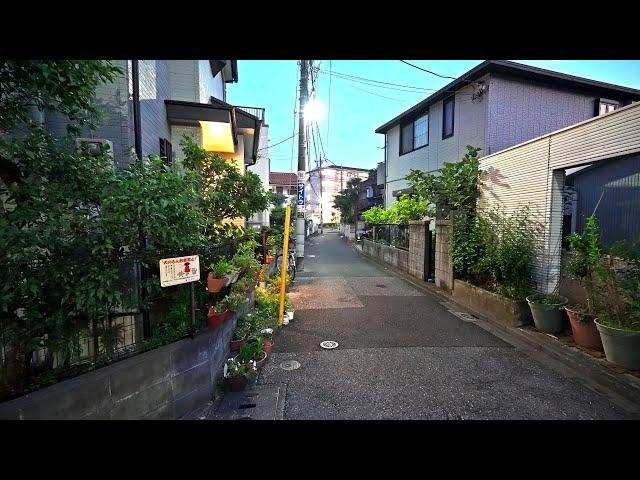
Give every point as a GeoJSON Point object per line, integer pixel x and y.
{"type": "Point", "coordinates": [285, 183]}
{"type": "Point", "coordinates": [334, 179]}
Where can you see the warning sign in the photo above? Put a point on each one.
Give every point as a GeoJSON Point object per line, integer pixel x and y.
{"type": "Point", "coordinates": [174, 271]}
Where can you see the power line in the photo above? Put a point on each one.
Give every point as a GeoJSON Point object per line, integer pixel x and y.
{"type": "Point", "coordinates": [378, 95]}
{"type": "Point", "coordinates": [374, 83]}
{"type": "Point", "coordinates": [275, 144]}
{"type": "Point", "coordinates": [371, 80]}
{"type": "Point", "coordinates": [434, 73]}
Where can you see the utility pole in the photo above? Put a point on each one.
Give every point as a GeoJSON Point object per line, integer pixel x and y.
{"type": "Point", "coordinates": [302, 146]}
{"type": "Point", "coordinates": [321, 212]}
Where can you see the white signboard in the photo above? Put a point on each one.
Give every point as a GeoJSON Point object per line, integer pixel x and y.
{"type": "Point", "coordinates": [174, 271]}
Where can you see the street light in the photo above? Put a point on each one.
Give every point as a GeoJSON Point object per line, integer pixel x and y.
{"type": "Point", "coordinates": [314, 110]}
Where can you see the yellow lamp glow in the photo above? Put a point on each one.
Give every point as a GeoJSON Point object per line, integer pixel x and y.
{"type": "Point", "coordinates": [217, 137]}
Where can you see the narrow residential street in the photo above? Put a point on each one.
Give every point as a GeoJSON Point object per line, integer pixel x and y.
{"type": "Point", "coordinates": [403, 355]}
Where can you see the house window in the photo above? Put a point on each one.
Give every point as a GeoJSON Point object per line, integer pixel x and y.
{"type": "Point", "coordinates": [293, 191]}
{"type": "Point", "coordinates": [448, 110]}
{"type": "Point", "coordinates": [415, 134]}
{"type": "Point", "coordinates": [166, 152]}
{"type": "Point", "coordinates": [605, 106]}
{"type": "Point", "coordinates": [279, 190]}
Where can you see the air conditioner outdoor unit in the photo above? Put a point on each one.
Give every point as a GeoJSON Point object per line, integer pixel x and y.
{"type": "Point", "coordinates": [95, 146]}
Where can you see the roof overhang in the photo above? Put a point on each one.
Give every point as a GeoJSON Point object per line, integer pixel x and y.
{"type": "Point", "coordinates": [250, 125]}
{"type": "Point", "coordinates": [513, 69]}
{"type": "Point", "coordinates": [218, 123]}
{"type": "Point", "coordinates": [230, 71]}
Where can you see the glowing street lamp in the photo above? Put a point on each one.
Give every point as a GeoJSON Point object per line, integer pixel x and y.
{"type": "Point", "coordinates": [313, 111]}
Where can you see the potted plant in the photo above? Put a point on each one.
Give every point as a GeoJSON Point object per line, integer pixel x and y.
{"type": "Point", "coordinates": [547, 309]}
{"type": "Point", "coordinates": [243, 328]}
{"type": "Point", "coordinates": [288, 308]}
{"type": "Point", "coordinates": [238, 373]}
{"type": "Point", "coordinates": [234, 301]}
{"type": "Point", "coordinates": [618, 307]}
{"type": "Point", "coordinates": [216, 279]}
{"type": "Point", "coordinates": [584, 260]}
{"type": "Point", "coordinates": [252, 350]}
{"type": "Point", "coordinates": [267, 333]}
{"type": "Point", "coordinates": [217, 314]}
{"type": "Point", "coordinates": [232, 275]}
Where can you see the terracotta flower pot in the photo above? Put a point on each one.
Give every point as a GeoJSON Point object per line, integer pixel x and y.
{"type": "Point", "coordinates": [237, 383]}
{"type": "Point", "coordinates": [234, 345]}
{"type": "Point", "coordinates": [268, 345]}
{"type": "Point", "coordinates": [585, 332]}
{"type": "Point", "coordinates": [268, 259]}
{"type": "Point", "coordinates": [216, 319]}
{"type": "Point", "coordinates": [214, 285]}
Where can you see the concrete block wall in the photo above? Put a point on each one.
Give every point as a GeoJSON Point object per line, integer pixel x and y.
{"type": "Point", "coordinates": [444, 265]}
{"type": "Point", "coordinates": [417, 240]}
{"type": "Point", "coordinates": [164, 383]}
{"type": "Point", "coordinates": [395, 257]}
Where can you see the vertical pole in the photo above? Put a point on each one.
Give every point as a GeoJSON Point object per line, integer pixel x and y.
{"type": "Point", "coordinates": [321, 209]}
{"type": "Point", "coordinates": [302, 145]}
{"type": "Point", "coordinates": [285, 256]}
{"type": "Point", "coordinates": [193, 309]}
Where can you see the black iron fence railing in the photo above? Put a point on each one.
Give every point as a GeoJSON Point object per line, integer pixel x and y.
{"type": "Point", "coordinates": [42, 345]}
{"type": "Point", "coordinates": [392, 234]}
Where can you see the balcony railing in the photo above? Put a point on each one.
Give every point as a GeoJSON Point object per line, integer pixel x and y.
{"type": "Point", "coordinates": [256, 112]}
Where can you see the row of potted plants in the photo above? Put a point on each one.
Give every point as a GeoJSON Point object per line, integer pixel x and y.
{"type": "Point", "coordinates": [253, 337]}
{"type": "Point", "coordinates": [609, 319]}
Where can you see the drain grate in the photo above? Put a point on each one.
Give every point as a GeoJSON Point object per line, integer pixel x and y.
{"type": "Point", "coordinates": [290, 365]}
{"type": "Point", "coordinates": [381, 286]}
{"type": "Point", "coordinates": [328, 344]}
{"type": "Point", "coordinates": [464, 316]}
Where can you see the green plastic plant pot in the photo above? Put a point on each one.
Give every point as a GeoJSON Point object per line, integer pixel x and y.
{"type": "Point", "coordinates": [621, 347]}
{"type": "Point", "coordinates": [547, 318]}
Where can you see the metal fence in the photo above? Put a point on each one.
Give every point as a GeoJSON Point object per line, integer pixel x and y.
{"type": "Point", "coordinates": [62, 348]}
{"type": "Point", "coordinates": [392, 234]}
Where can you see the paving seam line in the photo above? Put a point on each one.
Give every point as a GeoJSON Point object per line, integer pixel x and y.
{"type": "Point", "coordinates": [516, 338]}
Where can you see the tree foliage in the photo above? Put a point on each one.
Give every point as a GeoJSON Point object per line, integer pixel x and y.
{"type": "Point", "coordinates": [455, 187]}
{"type": "Point", "coordinates": [347, 201]}
{"type": "Point", "coordinates": [72, 225]}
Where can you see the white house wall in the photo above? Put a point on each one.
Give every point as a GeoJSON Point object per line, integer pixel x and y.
{"type": "Point", "coordinates": [209, 86]}
{"type": "Point", "coordinates": [154, 90]}
{"type": "Point", "coordinates": [470, 128]}
{"type": "Point", "coordinates": [532, 174]}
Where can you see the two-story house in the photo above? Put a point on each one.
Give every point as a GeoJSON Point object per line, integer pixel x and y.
{"type": "Point", "coordinates": [496, 105]}
{"type": "Point", "coordinates": [149, 108]}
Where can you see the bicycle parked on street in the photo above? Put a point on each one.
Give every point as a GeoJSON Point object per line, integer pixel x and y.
{"type": "Point", "coordinates": [291, 263]}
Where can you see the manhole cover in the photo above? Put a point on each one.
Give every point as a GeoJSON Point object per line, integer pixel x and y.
{"type": "Point", "coordinates": [328, 344]}
{"type": "Point", "coordinates": [290, 365]}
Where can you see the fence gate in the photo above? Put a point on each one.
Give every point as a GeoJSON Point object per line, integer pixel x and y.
{"type": "Point", "coordinates": [429, 253]}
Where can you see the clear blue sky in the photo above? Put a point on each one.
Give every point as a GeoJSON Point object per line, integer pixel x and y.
{"type": "Point", "coordinates": [356, 109]}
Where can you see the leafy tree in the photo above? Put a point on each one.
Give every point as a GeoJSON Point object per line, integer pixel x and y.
{"type": "Point", "coordinates": [225, 193]}
{"type": "Point", "coordinates": [409, 208]}
{"type": "Point", "coordinates": [454, 188]}
{"type": "Point", "coordinates": [347, 201]}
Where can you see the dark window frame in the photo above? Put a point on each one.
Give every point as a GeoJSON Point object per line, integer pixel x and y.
{"type": "Point", "coordinates": [452, 100]}
{"type": "Point", "coordinates": [605, 101]}
{"type": "Point", "coordinates": [166, 151]}
{"type": "Point", "coordinates": [412, 121]}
